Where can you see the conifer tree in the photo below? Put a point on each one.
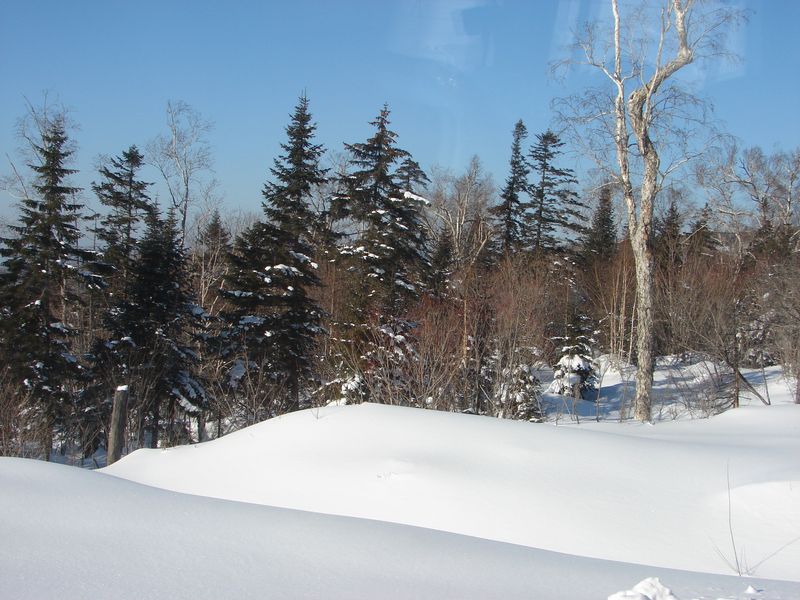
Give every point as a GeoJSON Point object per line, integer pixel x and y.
{"type": "Point", "coordinates": [387, 259]}
{"type": "Point", "coordinates": [600, 240]}
{"type": "Point", "coordinates": [700, 237]}
{"type": "Point", "coordinates": [509, 215]}
{"type": "Point", "coordinates": [126, 198]}
{"type": "Point", "coordinates": [574, 373]}
{"type": "Point", "coordinates": [38, 284]}
{"type": "Point", "coordinates": [555, 207]}
{"type": "Point", "coordinates": [442, 260]}
{"type": "Point", "coordinates": [210, 262]}
{"type": "Point", "coordinates": [668, 237]}
{"type": "Point", "coordinates": [388, 253]}
{"type": "Point", "coordinates": [274, 320]}
{"type": "Point", "coordinates": [153, 330]}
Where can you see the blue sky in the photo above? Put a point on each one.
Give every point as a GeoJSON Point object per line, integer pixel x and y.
{"type": "Point", "coordinates": [457, 74]}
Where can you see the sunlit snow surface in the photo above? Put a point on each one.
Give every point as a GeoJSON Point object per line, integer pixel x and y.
{"type": "Point", "coordinates": [636, 493]}
{"type": "Point", "coordinates": [500, 509]}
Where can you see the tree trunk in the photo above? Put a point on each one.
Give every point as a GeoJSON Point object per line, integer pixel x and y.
{"type": "Point", "coordinates": [201, 426]}
{"type": "Point", "coordinates": [797, 387]}
{"type": "Point", "coordinates": [644, 327]}
{"type": "Point", "coordinates": [116, 433]}
{"type": "Point", "coordinates": [154, 429]}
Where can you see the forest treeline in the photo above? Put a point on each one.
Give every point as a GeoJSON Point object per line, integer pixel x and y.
{"type": "Point", "coordinates": [370, 281]}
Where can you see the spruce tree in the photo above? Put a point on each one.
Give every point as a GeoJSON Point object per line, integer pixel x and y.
{"type": "Point", "coordinates": [127, 200]}
{"type": "Point", "coordinates": [387, 259]}
{"type": "Point", "coordinates": [38, 282]}
{"type": "Point", "coordinates": [210, 262]}
{"type": "Point", "coordinates": [668, 238]}
{"type": "Point", "coordinates": [556, 210]}
{"type": "Point", "coordinates": [700, 238]}
{"type": "Point", "coordinates": [574, 373]}
{"type": "Point", "coordinates": [600, 240]}
{"type": "Point", "coordinates": [153, 331]}
{"type": "Point", "coordinates": [274, 320]}
{"type": "Point", "coordinates": [509, 215]}
{"type": "Point", "coordinates": [388, 254]}
{"type": "Point", "coordinates": [442, 261]}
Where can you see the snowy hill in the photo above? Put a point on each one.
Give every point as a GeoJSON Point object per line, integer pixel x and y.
{"type": "Point", "coordinates": [655, 495]}
{"type": "Point", "coordinates": [374, 501]}
{"type": "Point", "coordinates": [70, 534]}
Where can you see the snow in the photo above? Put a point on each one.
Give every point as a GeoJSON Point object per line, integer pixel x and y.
{"type": "Point", "coordinates": [286, 270]}
{"type": "Point", "coordinates": [70, 533]}
{"type": "Point", "coordinates": [625, 492]}
{"type": "Point", "coordinates": [648, 589]}
{"type": "Point", "coordinates": [374, 501]}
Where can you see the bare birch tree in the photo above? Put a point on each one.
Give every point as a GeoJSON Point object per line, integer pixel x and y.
{"type": "Point", "coordinates": [181, 156]}
{"type": "Point", "coordinates": [648, 122]}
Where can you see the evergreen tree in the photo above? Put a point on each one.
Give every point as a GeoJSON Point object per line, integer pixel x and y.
{"type": "Point", "coordinates": [387, 259]}
{"type": "Point", "coordinates": [600, 240]}
{"type": "Point", "coordinates": [574, 372]}
{"type": "Point", "coordinates": [555, 208]}
{"type": "Point", "coordinates": [509, 215]}
{"type": "Point", "coordinates": [153, 330]}
{"type": "Point", "coordinates": [700, 238]}
{"type": "Point", "coordinates": [126, 198]}
{"type": "Point", "coordinates": [38, 285]}
{"type": "Point", "coordinates": [515, 386]}
{"type": "Point", "coordinates": [668, 237]}
{"type": "Point", "coordinates": [388, 254]}
{"type": "Point", "coordinates": [442, 260]}
{"type": "Point", "coordinates": [210, 262]}
{"type": "Point", "coordinates": [274, 319]}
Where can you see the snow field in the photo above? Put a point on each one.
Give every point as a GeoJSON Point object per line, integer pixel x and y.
{"type": "Point", "coordinates": [71, 534]}
{"type": "Point", "coordinates": [653, 495]}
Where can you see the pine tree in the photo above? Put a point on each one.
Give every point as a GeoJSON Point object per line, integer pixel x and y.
{"type": "Point", "coordinates": [600, 240]}
{"type": "Point", "coordinates": [126, 198]}
{"type": "Point", "coordinates": [442, 260]}
{"type": "Point", "coordinates": [700, 238]}
{"type": "Point", "coordinates": [668, 237]}
{"type": "Point", "coordinates": [153, 330]}
{"type": "Point", "coordinates": [555, 208]}
{"type": "Point", "coordinates": [38, 285]}
{"type": "Point", "coordinates": [210, 262]}
{"type": "Point", "coordinates": [574, 373]}
{"type": "Point", "coordinates": [387, 259]}
{"type": "Point", "coordinates": [509, 215]}
{"type": "Point", "coordinates": [273, 317]}
{"type": "Point", "coordinates": [388, 254]}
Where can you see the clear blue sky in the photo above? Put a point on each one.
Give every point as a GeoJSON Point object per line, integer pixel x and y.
{"type": "Point", "coordinates": [457, 74]}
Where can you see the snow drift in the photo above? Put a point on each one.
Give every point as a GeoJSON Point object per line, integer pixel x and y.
{"type": "Point", "coordinates": [672, 495]}
{"type": "Point", "coordinates": [72, 534]}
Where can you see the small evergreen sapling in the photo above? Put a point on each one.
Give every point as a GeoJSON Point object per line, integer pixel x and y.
{"type": "Point", "coordinates": [574, 373]}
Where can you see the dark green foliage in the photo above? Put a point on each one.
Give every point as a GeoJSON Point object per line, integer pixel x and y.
{"type": "Point", "coordinates": [556, 211]}
{"type": "Point", "coordinates": [387, 256]}
{"type": "Point", "coordinates": [574, 372]}
{"type": "Point", "coordinates": [509, 215]}
{"type": "Point", "coordinates": [39, 281]}
{"type": "Point", "coordinates": [700, 238]}
{"type": "Point", "coordinates": [442, 261]}
{"type": "Point", "coordinates": [668, 237]}
{"type": "Point", "coordinates": [600, 240]}
{"type": "Point", "coordinates": [127, 201]}
{"type": "Point", "coordinates": [273, 321]}
{"type": "Point", "coordinates": [214, 236]}
{"type": "Point", "coordinates": [152, 330]}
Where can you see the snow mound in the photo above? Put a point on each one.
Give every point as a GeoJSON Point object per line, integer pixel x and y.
{"type": "Point", "coordinates": [73, 534]}
{"type": "Point", "coordinates": [652, 495]}
{"type": "Point", "coordinates": [647, 589]}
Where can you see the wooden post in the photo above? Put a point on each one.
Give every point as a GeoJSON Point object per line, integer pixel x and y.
{"type": "Point", "coordinates": [116, 433]}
